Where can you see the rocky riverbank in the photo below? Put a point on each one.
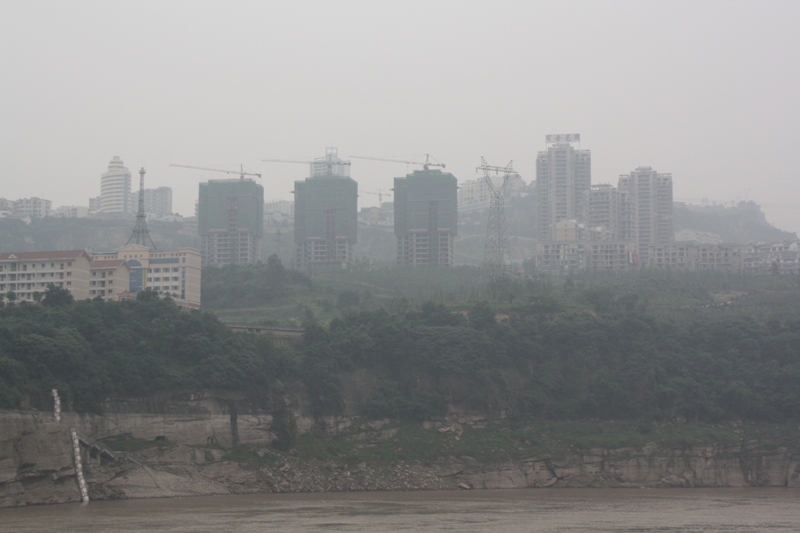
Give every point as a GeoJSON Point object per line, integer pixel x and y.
{"type": "Point", "coordinates": [196, 448]}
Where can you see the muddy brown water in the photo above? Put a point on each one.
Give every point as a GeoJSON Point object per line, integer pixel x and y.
{"type": "Point", "coordinates": [545, 510]}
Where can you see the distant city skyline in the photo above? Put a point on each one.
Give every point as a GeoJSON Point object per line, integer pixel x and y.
{"type": "Point", "coordinates": [703, 90]}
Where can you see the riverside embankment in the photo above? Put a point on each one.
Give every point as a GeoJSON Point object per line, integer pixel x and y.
{"type": "Point", "coordinates": [202, 444]}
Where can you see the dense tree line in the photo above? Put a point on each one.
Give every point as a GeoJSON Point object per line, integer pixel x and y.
{"type": "Point", "coordinates": [559, 364]}
{"type": "Point", "coordinates": [543, 356]}
{"type": "Point", "coordinates": [91, 350]}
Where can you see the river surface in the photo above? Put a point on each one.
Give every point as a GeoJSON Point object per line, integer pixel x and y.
{"type": "Point", "coordinates": [543, 510]}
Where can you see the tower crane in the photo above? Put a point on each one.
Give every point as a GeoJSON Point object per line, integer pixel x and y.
{"type": "Point", "coordinates": [331, 159]}
{"type": "Point", "coordinates": [379, 194]}
{"type": "Point", "coordinates": [241, 172]}
{"type": "Point", "coordinates": [425, 165]}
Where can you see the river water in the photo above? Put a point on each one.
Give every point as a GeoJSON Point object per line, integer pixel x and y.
{"type": "Point", "coordinates": [543, 510]}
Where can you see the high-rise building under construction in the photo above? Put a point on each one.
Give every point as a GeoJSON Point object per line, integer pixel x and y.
{"type": "Point", "coordinates": [230, 219]}
{"type": "Point", "coordinates": [325, 216]}
{"type": "Point", "coordinates": [426, 218]}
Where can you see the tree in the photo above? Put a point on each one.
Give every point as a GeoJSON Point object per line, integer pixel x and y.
{"type": "Point", "coordinates": [348, 299]}
{"type": "Point", "coordinates": [11, 296]}
{"type": "Point", "coordinates": [54, 296]}
{"type": "Point", "coordinates": [482, 316]}
{"type": "Point", "coordinates": [276, 273]}
{"type": "Point", "coordinates": [147, 295]}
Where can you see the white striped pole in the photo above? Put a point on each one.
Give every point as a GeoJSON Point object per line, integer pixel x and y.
{"type": "Point", "coordinates": [56, 406]}
{"type": "Point", "coordinates": [76, 451]}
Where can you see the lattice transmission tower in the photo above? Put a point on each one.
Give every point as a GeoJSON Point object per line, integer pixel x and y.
{"type": "Point", "coordinates": [494, 254]}
{"type": "Point", "coordinates": [140, 234]}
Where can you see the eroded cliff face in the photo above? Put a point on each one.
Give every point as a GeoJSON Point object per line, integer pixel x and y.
{"type": "Point", "coordinates": [191, 434]}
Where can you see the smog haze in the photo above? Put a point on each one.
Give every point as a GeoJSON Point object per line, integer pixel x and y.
{"type": "Point", "coordinates": [707, 91]}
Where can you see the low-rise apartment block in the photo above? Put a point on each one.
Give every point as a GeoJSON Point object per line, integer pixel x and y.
{"type": "Point", "coordinates": [565, 257]}
{"type": "Point", "coordinates": [753, 258]}
{"type": "Point", "coordinates": [27, 274]}
{"type": "Point", "coordinates": [111, 276]}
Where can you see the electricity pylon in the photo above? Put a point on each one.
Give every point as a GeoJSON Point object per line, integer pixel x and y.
{"type": "Point", "coordinates": [494, 264]}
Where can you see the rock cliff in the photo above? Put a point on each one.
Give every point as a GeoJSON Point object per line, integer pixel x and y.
{"type": "Point", "coordinates": [186, 445]}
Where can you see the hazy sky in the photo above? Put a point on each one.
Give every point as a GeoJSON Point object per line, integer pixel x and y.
{"type": "Point", "coordinates": [709, 91]}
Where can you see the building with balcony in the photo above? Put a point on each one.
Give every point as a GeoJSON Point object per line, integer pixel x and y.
{"type": "Point", "coordinates": [176, 273]}
{"type": "Point", "coordinates": [646, 210]}
{"type": "Point", "coordinates": [563, 181]}
{"type": "Point", "coordinates": [28, 274]}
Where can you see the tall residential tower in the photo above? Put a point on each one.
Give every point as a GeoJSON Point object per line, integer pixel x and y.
{"type": "Point", "coordinates": [563, 180]}
{"type": "Point", "coordinates": [646, 209]}
{"type": "Point", "coordinates": [115, 190]}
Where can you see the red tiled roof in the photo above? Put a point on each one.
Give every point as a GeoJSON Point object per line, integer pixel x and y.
{"type": "Point", "coordinates": [35, 256]}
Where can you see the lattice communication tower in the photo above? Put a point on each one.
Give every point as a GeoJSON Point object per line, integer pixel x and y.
{"type": "Point", "coordinates": [140, 234]}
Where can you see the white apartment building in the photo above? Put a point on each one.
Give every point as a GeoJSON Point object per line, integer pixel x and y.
{"type": "Point", "coordinates": [563, 180]}
{"type": "Point", "coordinates": [33, 207]}
{"type": "Point", "coordinates": [6, 208]}
{"type": "Point", "coordinates": [71, 211]}
{"type": "Point", "coordinates": [603, 211]}
{"type": "Point", "coordinates": [115, 190]}
{"type": "Point", "coordinates": [646, 209]}
{"type": "Point", "coordinates": [157, 202]}
{"type": "Point", "coordinates": [565, 257]}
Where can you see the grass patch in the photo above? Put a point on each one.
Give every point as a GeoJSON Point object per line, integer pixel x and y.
{"type": "Point", "coordinates": [512, 440]}
{"type": "Point", "coordinates": [252, 455]}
